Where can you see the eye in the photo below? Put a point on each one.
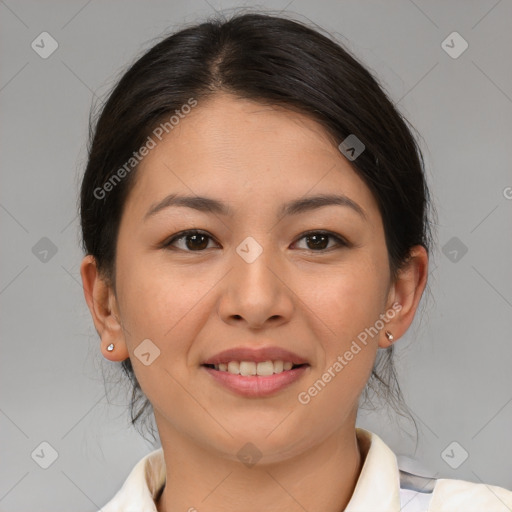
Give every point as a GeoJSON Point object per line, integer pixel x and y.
{"type": "Point", "coordinates": [197, 241]}
{"type": "Point", "coordinates": [191, 241]}
{"type": "Point", "coordinates": [319, 240]}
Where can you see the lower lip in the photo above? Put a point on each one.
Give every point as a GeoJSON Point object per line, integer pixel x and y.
{"type": "Point", "coordinates": [257, 385]}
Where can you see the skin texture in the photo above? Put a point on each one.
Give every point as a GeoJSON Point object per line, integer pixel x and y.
{"type": "Point", "coordinates": [193, 304]}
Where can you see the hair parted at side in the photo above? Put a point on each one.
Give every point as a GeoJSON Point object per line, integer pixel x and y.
{"type": "Point", "coordinates": [275, 61]}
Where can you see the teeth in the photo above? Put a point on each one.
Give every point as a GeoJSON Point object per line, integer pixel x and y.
{"type": "Point", "coordinates": [233, 367]}
{"type": "Point", "coordinates": [278, 366]}
{"type": "Point", "coordinates": [265, 368]}
{"type": "Point", "coordinates": [249, 368]}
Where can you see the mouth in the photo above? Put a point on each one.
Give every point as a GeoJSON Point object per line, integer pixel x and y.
{"type": "Point", "coordinates": [255, 372]}
{"type": "Point", "coordinates": [248, 384]}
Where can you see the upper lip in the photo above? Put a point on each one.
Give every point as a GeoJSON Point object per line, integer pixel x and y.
{"type": "Point", "coordinates": [256, 355]}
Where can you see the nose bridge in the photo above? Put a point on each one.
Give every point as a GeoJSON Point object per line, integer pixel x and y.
{"type": "Point", "coordinates": [251, 261]}
{"type": "Point", "coordinates": [254, 290]}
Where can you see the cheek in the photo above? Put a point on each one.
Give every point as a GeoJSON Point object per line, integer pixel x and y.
{"type": "Point", "coordinates": [347, 299]}
{"type": "Point", "coordinates": [348, 303]}
{"type": "Point", "coordinates": [165, 306]}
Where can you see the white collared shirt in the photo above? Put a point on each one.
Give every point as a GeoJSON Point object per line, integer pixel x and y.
{"type": "Point", "coordinates": [378, 488]}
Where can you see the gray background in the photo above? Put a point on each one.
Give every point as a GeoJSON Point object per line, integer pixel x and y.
{"type": "Point", "coordinates": [454, 364]}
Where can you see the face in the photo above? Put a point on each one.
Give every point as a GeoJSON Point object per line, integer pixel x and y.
{"type": "Point", "coordinates": [302, 284]}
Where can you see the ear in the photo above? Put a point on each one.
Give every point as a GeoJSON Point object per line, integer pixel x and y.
{"type": "Point", "coordinates": [405, 294]}
{"type": "Point", "coordinates": [102, 304]}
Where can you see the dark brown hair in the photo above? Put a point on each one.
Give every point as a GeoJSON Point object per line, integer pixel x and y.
{"type": "Point", "coordinates": [275, 61]}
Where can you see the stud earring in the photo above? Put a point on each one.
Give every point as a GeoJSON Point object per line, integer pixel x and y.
{"type": "Point", "coordinates": [389, 336]}
{"type": "Point", "coordinates": [110, 347]}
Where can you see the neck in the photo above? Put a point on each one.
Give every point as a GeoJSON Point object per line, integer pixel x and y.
{"type": "Point", "coordinates": [320, 478]}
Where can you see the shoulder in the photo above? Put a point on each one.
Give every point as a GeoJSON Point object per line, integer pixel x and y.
{"type": "Point", "coordinates": [420, 491]}
{"type": "Point", "coordinates": [419, 494]}
{"type": "Point", "coordinates": [452, 495]}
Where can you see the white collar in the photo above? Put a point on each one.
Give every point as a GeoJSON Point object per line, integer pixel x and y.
{"type": "Point", "coordinates": [378, 486]}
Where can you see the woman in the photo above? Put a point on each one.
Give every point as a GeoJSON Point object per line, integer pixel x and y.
{"type": "Point", "coordinates": [256, 225]}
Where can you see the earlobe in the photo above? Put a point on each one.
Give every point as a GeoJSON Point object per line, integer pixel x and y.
{"type": "Point", "coordinates": [406, 292]}
{"type": "Point", "coordinates": [101, 302]}
{"type": "Point", "coordinates": [387, 340]}
{"type": "Point", "coordinates": [389, 336]}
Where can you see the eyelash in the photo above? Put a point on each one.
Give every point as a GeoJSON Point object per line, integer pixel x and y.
{"type": "Point", "coordinates": [341, 242]}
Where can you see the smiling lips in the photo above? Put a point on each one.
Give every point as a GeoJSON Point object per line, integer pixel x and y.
{"type": "Point", "coordinates": [256, 372]}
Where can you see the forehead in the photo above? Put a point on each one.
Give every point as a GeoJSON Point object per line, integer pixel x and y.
{"type": "Point", "coordinates": [236, 149]}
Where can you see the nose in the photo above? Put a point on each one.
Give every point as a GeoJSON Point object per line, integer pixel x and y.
{"type": "Point", "coordinates": [255, 292]}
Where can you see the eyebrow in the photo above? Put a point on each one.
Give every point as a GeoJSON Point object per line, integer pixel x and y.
{"type": "Point", "coordinates": [294, 207]}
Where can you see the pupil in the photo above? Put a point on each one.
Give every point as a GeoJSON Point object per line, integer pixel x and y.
{"type": "Point", "coordinates": [316, 244]}
{"type": "Point", "coordinates": [195, 239]}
